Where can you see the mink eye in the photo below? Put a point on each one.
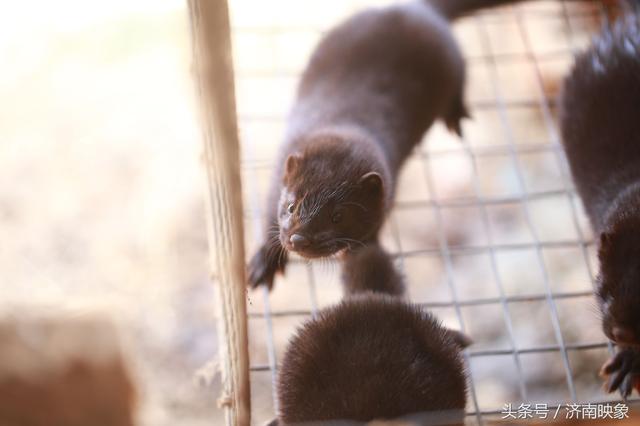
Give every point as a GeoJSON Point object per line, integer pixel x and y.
{"type": "Point", "coordinates": [291, 208]}
{"type": "Point", "coordinates": [337, 217]}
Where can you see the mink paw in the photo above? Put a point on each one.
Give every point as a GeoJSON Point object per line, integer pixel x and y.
{"type": "Point", "coordinates": [264, 265]}
{"type": "Point", "coordinates": [623, 371]}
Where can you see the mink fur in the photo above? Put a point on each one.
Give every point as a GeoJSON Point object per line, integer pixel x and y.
{"type": "Point", "coordinates": [600, 111]}
{"type": "Point", "coordinates": [371, 269]}
{"type": "Point", "coordinates": [372, 357]}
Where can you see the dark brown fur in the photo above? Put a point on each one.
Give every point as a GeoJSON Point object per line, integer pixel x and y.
{"type": "Point", "coordinates": [372, 357]}
{"type": "Point", "coordinates": [371, 89]}
{"type": "Point", "coordinates": [601, 131]}
{"type": "Point", "coordinates": [371, 269]}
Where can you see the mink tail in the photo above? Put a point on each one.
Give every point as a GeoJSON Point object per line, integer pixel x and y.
{"type": "Point", "coordinates": [371, 269]}
{"type": "Point", "coordinates": [453, 9]}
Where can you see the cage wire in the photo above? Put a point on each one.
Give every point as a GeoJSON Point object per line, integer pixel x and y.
{"type": "Point", "coordinates": [487, 230]}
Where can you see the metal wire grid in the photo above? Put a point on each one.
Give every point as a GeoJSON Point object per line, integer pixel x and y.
{"type": "Point", "coordinates": [444, 249]}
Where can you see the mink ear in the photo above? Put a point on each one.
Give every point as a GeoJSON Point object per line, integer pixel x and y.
{"type": "Point", "coordinates": [605, 240]}
{"type": "Point", "coordinates": [371, 182]}
{"type": "Point", "coordinates": [292, 164]}
{"type": "Point", "coordinates": [460, 338]}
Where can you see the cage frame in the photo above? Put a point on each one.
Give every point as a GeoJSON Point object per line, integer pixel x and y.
{"type": "Point", "coordinates": [231, 283]}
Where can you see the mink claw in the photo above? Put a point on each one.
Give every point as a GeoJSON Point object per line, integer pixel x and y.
{"type": "Point", "coordinates": [624, 372]}
{"type": "Point", "coordinates": [626, 387]}
{"type": "Point", "coordinates": [611, 365]}
{"type": "Point", "coordinates": [259, 273]}
{"type": "Point", "coordinates": [263, 267]}
{"type": "Point", "coordinates": [618, 369]}
{"type": "Point", "coordinates": [614, 382]}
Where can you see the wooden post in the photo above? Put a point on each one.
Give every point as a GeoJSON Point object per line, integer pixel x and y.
{"type": "Point", "coordinates": [211, 34]}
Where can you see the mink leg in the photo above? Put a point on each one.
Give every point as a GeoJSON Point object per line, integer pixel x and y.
{"type": "Point", "coordinates": [271, 258]}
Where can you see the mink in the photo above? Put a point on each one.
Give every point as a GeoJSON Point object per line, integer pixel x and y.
{"type": "Point", "coordinates": [601, 136]}
{"type": "Point", "coordinates": [372, 357]}
{"type": "Point", "coordinates": [371, 89]}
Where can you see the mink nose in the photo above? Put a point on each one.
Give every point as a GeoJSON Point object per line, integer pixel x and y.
{"type": "Point", "coordinates": [299, 242]}
{"type": "Point", "coordinates": [623, 335]}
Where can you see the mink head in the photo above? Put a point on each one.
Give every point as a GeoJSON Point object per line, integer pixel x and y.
{"type": "Point", "coordinates": [619, 283]}
{"type": "Point", "coordinates": [332, 199]}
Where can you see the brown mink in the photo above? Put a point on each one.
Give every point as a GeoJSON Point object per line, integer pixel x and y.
{"type": "Point", "coordinates": [371, 89]}
{"type": "Point", "coordinates": [373, 357]}
{"type": "Point", "coordinates": [601, 132]}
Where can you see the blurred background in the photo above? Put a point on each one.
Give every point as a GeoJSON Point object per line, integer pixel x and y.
{"type": "Point", "coordinates": [101, 186]}
{"type": "Point", "coordinates": [102, 207]}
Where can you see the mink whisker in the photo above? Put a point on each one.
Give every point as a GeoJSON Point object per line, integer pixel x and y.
{"type": "Point", "coordinates": [354, 241]}
{"type": "Point", "coordinates": [353, 203]}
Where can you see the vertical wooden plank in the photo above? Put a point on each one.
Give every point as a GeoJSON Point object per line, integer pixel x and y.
{"type": "Point", "coordinates": [214, 70]}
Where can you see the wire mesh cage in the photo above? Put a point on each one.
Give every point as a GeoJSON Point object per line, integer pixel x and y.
{"type": "Point", "coordinates": [487, 230]}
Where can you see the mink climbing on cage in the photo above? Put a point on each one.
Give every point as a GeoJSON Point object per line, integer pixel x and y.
{"type": "Point", "coordinates": [371, 89]}
{"type": "Point", "coordinates": [601, 135]}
